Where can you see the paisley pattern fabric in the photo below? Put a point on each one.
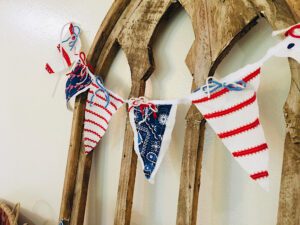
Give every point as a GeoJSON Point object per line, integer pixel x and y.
{"type": "Point", "coordinates": [77, 82]}
{"type": "Point", "coordinates": [152, 134]}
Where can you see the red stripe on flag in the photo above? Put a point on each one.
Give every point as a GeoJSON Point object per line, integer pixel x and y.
{"type": "Point", "coordinates": [214, 95]}
{"type": "Point", "coordinates": [239, 130]}
{"type": "Point", "coordinates": [250, 151]}
{"type": "Point", "coordinates": [251, 75]}
{"type": "Point", "coordinates": [259, 175]}
{"type": "Point", "coordinates": [110, 102]}
{"type": "Point", "coordinates": [96, 114]}
{"type": "Point", "coordinates": [224, 90]}
{"type": "Point", "coordinates": [96, 124]}
{"type": "Point", "coordinates": [66, 57]}
{"type": "Point", "coordinates": [93, 132]}
{"type": "Point", "coordinates": [88, 146]}
{"type": "Point", "coordinates": [100, 106]}
{"type": "Point", "coordinates": [91, 140]}
{"type": "Point", "coordinates": [231, 109]}
{"type": "Point", "coordinates": [117, 99]}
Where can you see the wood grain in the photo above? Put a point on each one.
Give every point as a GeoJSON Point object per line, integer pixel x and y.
{"type": "Point", "coordinates": [279, 15]}
{"type": "Point", "coordinates": [72, 163]}
{"type": "Point", "coordinates": [191, 169]}
{"type": "Point", "coordinates": [289, 201]}
{"type": "Point", "coordinates": [294, 6]}
{"type": "Point", "coordinates": [213, 40]}
{"type": "Point", "coordinates": [135, 41]}
{"type": "Point", "coordinates": [78, 165]}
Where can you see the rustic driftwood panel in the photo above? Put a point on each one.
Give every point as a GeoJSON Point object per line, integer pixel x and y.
{"type": "Point", "coordinates": [289, 202]}
{"type": "Point", "coordinates": [213, 39]}
{"type": "Point", "coordinates": [131, 24]}
{"type": "Point", "coordinates": [279, 15]}
{"type": "Point", "coordinates": [78, 168]}
{"type": "Point", "coordinates": [134, 40]}
{"type": "Point", "coordinates": [73, 159]}
{"type": "Point", "coordinates": [295, 8]}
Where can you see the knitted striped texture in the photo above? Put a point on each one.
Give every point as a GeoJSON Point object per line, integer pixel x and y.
{"type": "Point", "coordinates": [97, 116]}
{"type": "Point", "coordinates": [234, 116]}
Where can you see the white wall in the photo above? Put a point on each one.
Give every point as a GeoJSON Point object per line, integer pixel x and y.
{"type": "Point", "coordinates": [35, 127]}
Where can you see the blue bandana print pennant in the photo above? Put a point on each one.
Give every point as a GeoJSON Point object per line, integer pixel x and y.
{"type": "Point", "coordinates": [78, 81]}
{"type": "Point", "coordinates": [152, 125]}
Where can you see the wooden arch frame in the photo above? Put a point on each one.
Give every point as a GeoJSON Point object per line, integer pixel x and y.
{"type": "Point", "coordinates": [131, 24]}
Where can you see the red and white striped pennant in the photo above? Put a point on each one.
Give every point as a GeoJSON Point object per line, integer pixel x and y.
{"type": "Point", "coordinates": [234, 116]}
{"type": "Point", "coordinates": [98, 115]}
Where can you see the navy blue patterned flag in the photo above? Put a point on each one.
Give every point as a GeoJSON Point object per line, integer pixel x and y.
{"type": "Point", "coordinates": [78, 81]}
{"type": "Point", "coordinates": [152, 124]}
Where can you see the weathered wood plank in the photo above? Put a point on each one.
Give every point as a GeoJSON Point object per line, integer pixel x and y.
{"type": "Point", "coordinates": [105, 30]}
{"type": "Point", "coordinates": [81, 188]}
{"type": "Point", "coordinates": [191, 169]}
{"type": "Point", "coordinates": [295, 8]}
{"type": "Point", "coordinates": [135, 41]}
{"type": "Point", "coordinates": [194, 135]}
{"type": "Point", "coordinates": [78, 169]}
{"type": "Point", "coordinates": [280, 16]}
{"type": "Point", "coordinates": [72, 163]}
{"type": "Point", "coordinates": [213, 40]}
{"type": "Point", "coordinates": [128, 169]}
{"type": "Point", "coordinates": [289, 200]}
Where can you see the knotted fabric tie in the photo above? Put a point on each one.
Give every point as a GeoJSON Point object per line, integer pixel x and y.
{"type": "Point", "coordinates": [100, 83]}
{"type": "Point", "coordinates": [143, 104]}
{"type": "Point", "coordinates": [68, 47]}
{"type": "Point", "coordinates": [87, 67]}
{"type": "Point", "coordinates": [213, 84]}
{"type": "Point", "coordinates": [83, 66]}
{"type": "Point", "coordinates": [74, 35]}
{"type": "Point", "coordinates": [294, 31]}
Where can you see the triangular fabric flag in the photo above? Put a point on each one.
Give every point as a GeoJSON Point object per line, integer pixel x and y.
{"type": "Point", "coordinates": [79, 80]}
{"type": "Point", "coordinates": [100, 106]}
{"type": "Point", "coordinates": [152, 123]}
{"type": "Point", "coordinates": [230, 107]}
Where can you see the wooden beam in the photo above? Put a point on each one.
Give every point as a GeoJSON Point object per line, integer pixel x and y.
{"type": "Point", "coordinates": [72, 163]}
{"type": "Point", "coordinates": [289, 200]}
{"type": "Point", "coordinates": [135, 40]}
{"type": "Point", "coordinates": [207, 51]}
{"type": "Point", "coordinates": [78, 165]}
{"type": "Point", "coordinates": [295, 8]}
{"type": "Point", "coordinates": [282, 14]}
{"type": "Point", "coordinates": [128, 169]}
{"type": "Point", "coordinates": [191, 169]}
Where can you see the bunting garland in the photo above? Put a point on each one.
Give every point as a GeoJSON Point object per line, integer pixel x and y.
{"type": "Point", "coordinates": [229, 105]}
